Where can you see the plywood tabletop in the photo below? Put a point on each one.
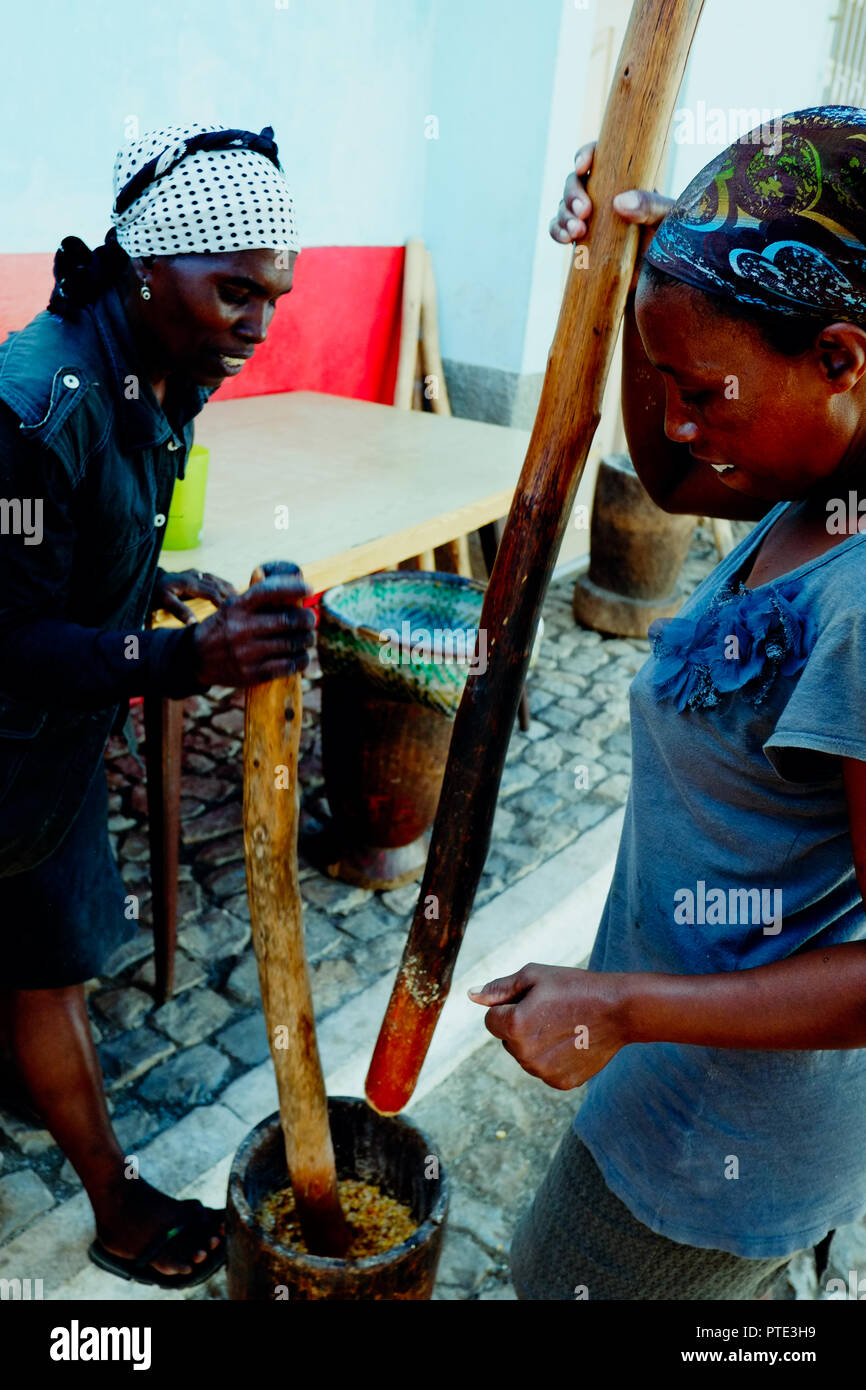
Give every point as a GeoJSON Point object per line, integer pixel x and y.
{"type": "Point", "coordinates": [365, 485]}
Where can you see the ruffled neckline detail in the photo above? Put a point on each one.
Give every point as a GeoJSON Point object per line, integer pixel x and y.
{"type": "Point", "coordinates": [743, 641]}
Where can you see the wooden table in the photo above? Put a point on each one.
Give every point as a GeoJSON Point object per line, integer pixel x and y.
{"type": "Point", "coordinates": [365, 487]}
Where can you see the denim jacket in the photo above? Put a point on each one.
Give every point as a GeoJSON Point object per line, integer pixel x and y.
{"type": "Point", "coordinates": [88, 461]}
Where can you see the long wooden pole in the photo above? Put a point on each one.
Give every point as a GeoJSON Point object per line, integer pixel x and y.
{"type": "Point", "coordinates": [431, 357]}
{"type": "Point", "coordinates": [630, 147]}
{"type": "Point", "coordinates": [272, 733]}
{"type": "Point", "coordinates": [414, 273]}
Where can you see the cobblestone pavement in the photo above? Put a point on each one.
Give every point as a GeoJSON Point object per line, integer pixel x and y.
{"type": "Point", "coordinates": [495, 1126]}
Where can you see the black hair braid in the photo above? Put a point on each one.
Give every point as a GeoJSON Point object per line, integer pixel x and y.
{"type": "Point", "coordinates": [82, 275]}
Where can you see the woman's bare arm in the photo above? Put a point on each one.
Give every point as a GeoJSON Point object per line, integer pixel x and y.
{"type": "Point", "coordinates": [812, 1000]}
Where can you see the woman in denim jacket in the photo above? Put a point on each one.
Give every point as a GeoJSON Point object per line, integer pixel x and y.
{"type": "Point", "coordinates": [97, 399]}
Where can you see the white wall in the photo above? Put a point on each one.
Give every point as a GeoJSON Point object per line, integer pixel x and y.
{"type": "Point", "coordinates": [348, 85]}
{"type": "Point", "coordinates": [492, 85]}
{"type": "Point", "coordinates": [345, 84]}
{"type": "Point", "coordinates": [566, 131]}
{"type": "Point", "coordinates": [748, 53]}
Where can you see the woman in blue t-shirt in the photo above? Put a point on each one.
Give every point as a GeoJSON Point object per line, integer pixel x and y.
{"type": "Point", "coordinates": [721, 1025]}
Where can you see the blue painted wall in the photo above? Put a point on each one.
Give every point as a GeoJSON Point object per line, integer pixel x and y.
{"type": "Point", "coordinates": [345, 85]}
{"type": "Point", "coordinates": [348, 87]}
{"type": "Point", "coordinates": [492, 88]}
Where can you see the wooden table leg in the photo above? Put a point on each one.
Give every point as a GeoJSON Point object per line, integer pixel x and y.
{"type": "Point", "coordinates": [489, 544]}
{"type": "Point", "coordinates": [453, 557]}
{"type": "Point", "coordinates": [163, 731]}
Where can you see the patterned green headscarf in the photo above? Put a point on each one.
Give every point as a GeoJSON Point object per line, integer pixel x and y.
{"type": "Point", "coordinates": [778, 219]}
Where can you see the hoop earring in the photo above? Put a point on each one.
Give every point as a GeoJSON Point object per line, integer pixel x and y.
{"type": "Point", "coordinates": [145, 292]}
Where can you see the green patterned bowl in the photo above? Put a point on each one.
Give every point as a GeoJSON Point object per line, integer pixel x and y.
{"type": "Point", "coordinates": [413, 634]}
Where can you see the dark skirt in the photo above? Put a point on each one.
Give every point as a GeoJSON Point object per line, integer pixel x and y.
{"type": "Point", "coordinates": [62, 920]}
{"type": "Point", "coordinates": [579, 1241]}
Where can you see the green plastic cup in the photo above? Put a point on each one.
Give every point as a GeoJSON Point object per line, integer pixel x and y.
{"type": "Point", "coordinates": [186, 513]}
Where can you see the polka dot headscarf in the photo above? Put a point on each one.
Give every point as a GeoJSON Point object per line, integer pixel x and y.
{"type": "Point", "coordinates": [211, 200]}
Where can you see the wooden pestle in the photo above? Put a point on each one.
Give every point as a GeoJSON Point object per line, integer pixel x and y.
{"type": "Point", "coordinates": [272, 733]}
{"type": "Point", "coordinates": [630, 147]}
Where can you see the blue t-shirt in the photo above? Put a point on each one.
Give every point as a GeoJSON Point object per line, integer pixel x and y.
{"type": "Point", "coordinates": [736, 852]}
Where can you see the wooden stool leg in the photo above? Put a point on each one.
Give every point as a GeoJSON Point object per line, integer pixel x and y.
{"type": "Point", "coordinates": [163, 729]}
{"type": "Point", "coordinates": [489, 536]}
{"type": "Point", "coordinates": [523, 715]}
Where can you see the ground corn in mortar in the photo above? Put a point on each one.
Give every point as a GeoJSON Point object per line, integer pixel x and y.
{"type": "Point", "coordinates": [378, 1222]}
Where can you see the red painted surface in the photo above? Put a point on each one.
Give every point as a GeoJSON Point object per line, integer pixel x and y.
{"type": "Point", "coordinates": [338, 330]}
{"type": "Point", "coordinates": [26, 283]}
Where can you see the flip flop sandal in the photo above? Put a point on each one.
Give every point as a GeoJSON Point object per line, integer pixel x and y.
{"type": "Point", "coordinates": [140, 1268]}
